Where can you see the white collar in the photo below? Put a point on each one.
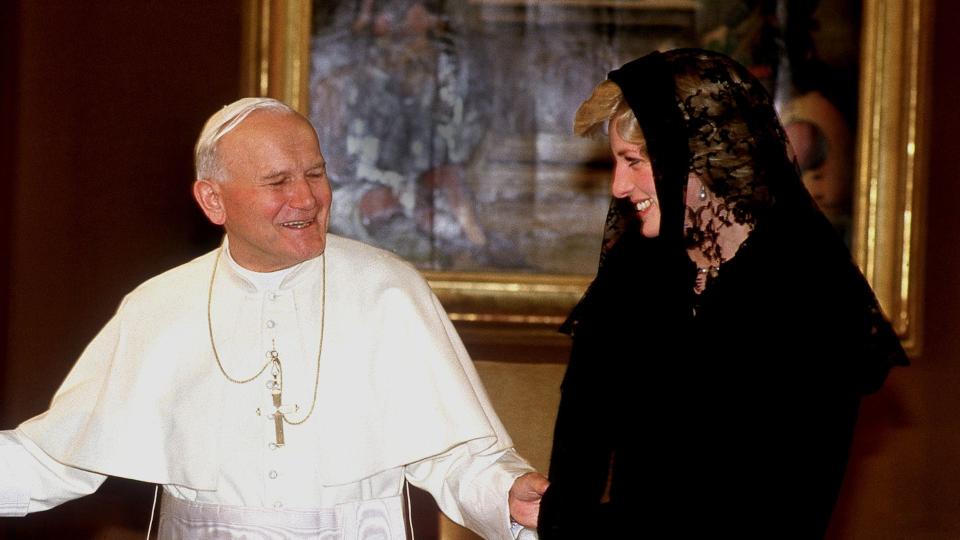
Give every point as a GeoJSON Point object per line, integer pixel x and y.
{"type": "Point", "coordinates": [263, 281]}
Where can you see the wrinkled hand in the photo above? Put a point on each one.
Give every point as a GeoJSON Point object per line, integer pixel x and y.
{"type": "Point", "coordinates": [525, 497]}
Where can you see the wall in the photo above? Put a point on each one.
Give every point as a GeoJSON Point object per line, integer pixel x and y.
{"type": "Point", "coordinates": [904, 479]}
{"type": "Point", "coordinates": [8, 145]}
{"type": "Point", "coordinates": [109, 98]}
{"type": "Point", "coordinates": [102, 102]}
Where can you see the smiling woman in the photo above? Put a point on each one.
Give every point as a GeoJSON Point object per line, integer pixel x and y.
{"type": "Point", "coordinates": [706, 326]}
{"type": "Point", "coordinates": [633, 180]}
{"type": "Point", "coordinates": [261, 175]}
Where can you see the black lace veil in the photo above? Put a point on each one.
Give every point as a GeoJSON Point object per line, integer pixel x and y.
{"type": "Point", "coordinates": [700, 112]}
{"type": "Point", "coordinates": [734, 402]}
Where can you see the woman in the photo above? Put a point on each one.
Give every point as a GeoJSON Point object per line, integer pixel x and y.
{"type": "Point", "coordinates": [720, 354]}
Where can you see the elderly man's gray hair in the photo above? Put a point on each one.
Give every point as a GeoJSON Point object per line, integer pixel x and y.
{"type": "Point", "coordinates": [206, 161]}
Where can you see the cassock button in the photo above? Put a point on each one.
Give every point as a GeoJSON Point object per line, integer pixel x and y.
{"type": "Point", "coordinates": [272, 446]}
{"type": "Point", "coordinates": [271, 324]}
{"type": "Point", "coordinates": [273, 296]}
{"type": "Point", "coordinates": [277, 505]}
{"type": "Point", "coordinates": [272, 475]}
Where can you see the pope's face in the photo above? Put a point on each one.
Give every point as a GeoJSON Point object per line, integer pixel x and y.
{"type": "Point", "coordinates": [274, 201]}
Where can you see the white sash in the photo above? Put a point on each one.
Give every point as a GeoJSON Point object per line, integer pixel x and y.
{"type": "Point", "coordinates": [380, 519]}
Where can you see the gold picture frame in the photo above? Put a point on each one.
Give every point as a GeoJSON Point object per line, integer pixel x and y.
{"type": "Point", "coordinates": [887, 237]}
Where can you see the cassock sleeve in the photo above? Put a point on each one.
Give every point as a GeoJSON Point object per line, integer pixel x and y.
{"type": "Point", "coordinates": [471, 489]}
{"type": "Point", "coordinates": [31, 481]}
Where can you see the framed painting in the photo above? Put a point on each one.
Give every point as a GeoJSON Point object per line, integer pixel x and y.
{"type": "Point", "coordinates": [446, 125]}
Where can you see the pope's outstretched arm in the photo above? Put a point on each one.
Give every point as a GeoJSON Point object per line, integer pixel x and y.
{"type": "Point", "coordinates": [31, 481]}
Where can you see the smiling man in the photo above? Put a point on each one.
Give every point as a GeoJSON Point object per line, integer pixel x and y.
{"type": "Point", "coordinates": [269, 189]}
{"type": "Point", "coordinates": [287, 384]}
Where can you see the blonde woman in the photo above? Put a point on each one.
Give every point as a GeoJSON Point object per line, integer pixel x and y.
{"type": "Point", "coordinates": [720, 354]}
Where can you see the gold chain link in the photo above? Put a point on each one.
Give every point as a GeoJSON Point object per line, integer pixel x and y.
{"type": "Point", "coordinates": [323, 320]}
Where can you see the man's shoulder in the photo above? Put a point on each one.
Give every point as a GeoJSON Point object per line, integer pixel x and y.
{"type": "Point", "coordinates": [179, 282]}
{"type": "Point", "coordinates": [369, 261]}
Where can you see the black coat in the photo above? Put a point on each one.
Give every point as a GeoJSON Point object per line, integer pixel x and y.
{"type": "Point", "coordinates": [733, 421]}
{"type": "Point", "coordinates": [727, 414]}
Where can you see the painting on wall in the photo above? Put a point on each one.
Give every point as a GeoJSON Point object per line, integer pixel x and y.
{"type": "Point", "coordinates": [807, 55]}
{"type": "Point", "coordinates": [447, 127]}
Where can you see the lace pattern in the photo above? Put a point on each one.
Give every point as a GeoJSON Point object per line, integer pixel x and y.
{"type": "Point", "coordinates": [702, 114]}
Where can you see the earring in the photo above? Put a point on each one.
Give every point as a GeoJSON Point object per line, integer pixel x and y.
{"type": "Point", "coordinates": [703, 193]}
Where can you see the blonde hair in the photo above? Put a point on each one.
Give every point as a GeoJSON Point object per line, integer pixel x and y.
{"type": "Point", "coordinates": [606, 105]}
{"type": "Point", "coordinates": [206, 159]}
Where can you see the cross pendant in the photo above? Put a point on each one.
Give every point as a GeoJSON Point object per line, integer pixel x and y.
{"type": "Point", "coordinates": [277, 417]}
{"type": "Point", "coordinates": [276, 390]}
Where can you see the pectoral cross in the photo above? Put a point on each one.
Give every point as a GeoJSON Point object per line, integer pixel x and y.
{"type": "Point", "coordinates": [276, 391]}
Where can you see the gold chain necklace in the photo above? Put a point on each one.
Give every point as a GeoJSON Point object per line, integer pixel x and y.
{"type": "Point", "coordinates": [277, 384]}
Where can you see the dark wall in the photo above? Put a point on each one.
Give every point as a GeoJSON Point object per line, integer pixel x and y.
{"type": "Point", "coordinates": [904, 478]}
{"type": "Point", "coordinates": [939, 489]}
{"type": "Point", "coordinates": [8, 117]}
{"type": "Point", "coordinates": [110, 96]}
{"type": "Point", "coordinates": [101, 104]}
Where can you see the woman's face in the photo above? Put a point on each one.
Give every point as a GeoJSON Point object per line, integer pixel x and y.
{"type": "Point", "coordinates": [633, 180]}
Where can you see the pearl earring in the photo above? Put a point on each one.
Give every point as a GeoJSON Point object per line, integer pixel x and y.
{"type": "Point", "coordinates": [703, 193]}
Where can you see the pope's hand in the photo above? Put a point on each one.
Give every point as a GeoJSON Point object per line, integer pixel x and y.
{"type": "Point", "coordinates": [525, 497]}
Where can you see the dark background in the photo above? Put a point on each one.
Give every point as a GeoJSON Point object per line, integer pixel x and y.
{"type": "Point", "coordinates": [100, 103]}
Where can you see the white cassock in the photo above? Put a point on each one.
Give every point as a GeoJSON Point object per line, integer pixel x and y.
{"type": "Point", "coordinates": [397, 397]}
